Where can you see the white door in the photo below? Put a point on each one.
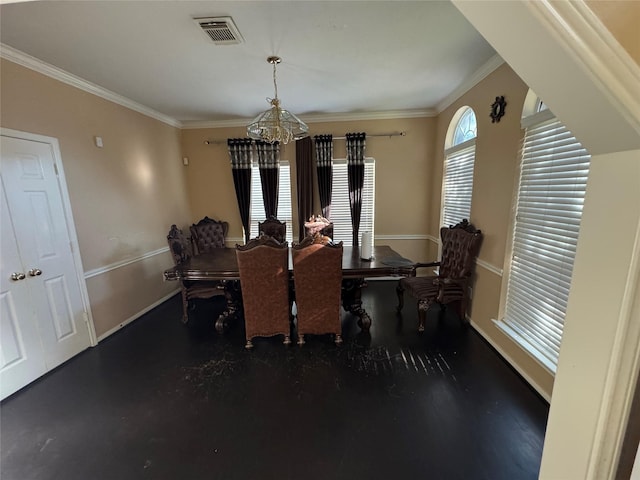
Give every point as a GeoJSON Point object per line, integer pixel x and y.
{"type": "Point", "coordinates": [44, 322]}
{"type": "Point", "coordinates": [22, 356]}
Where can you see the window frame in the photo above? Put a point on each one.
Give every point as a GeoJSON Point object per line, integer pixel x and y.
{"type": "Point", "coordinates": [256, 205]}
{"type": "Point", "coordinates": [342, 230]}
{"type": "Point", "coordinates": [459, 158]}
{"type": "Point", "coordinates": [512, 327]}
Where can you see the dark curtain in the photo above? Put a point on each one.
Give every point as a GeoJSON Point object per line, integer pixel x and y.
{"type": "Point", "coordinates": [304, 172]}
{"type": "Point", "coordinates": [269, 165]}
{"type": "Point", "coordinates": [240, 153]}
{"type": "Point", "coordinates": [324, 166]}
{"type": "Point", "coordinates": [355, 177]}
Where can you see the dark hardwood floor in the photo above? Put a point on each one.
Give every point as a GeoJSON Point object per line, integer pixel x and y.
{"type": "Point", "coordinates": [159, 400]}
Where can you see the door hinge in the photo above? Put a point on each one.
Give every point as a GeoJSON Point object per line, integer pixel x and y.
{"type": "Point", "coordinates": [55, 167]}
{"type": "Point", "coordinates": [85, 315]}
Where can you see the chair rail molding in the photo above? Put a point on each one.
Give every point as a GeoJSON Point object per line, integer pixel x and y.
{"type": "Point", "coordinates": [405, 237]}
{"type": "Point", "coordinates": [231, 241]}
{"type": "Point", "coordinates": [123, 263]}
{"type": "Point", "coordinates": [491, 268]}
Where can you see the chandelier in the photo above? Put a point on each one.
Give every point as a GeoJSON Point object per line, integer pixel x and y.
{"type": "Point", "coordinates": [276, 124]}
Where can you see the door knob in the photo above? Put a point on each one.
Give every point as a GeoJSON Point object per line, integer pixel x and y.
{"type": "Point", "coordinates": [15, 276]}
{"type": "Point", "coordinates": [35, 272]}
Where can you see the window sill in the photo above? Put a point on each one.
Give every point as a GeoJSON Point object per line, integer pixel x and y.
{"type": "Point", "coordinates": [533, 352]}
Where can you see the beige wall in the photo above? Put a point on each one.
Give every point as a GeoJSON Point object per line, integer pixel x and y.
{"type": "Point", "coordinates": [39, 105]}
{"type": "Point", "coordinates": [124, 196]}
{"type": "Point", "coordinates": [495, 176]}
{"type": "Point", "coordinates": [622, 19]}
{"type": "Point", "coordinates": [408, 189]}
{"type": "Point", "coordinates": [552, 47]}
{"type": "Point", "coordinates": [404, 165]}
{"type": "Point", "coordinates": [209, 179]}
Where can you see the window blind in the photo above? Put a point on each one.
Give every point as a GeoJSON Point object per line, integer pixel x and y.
{"type": "Point", "coordinates": [257, 214]}
{"type": "Point", "coordinates": [550, 197]}
{"type": "Point", "coordinates": [340, 210]}
{"type": "Point", "coordinates": [458, 184]}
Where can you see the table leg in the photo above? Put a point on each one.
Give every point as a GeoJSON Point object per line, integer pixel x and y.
{"type": "Point", "coordinates": [352, 301]}
{"type": "Point", "coordinates": [234, 305]}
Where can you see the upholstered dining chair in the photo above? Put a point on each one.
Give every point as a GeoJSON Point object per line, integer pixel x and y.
{"type": "Point", "coordinates": [208, 234]}
{"type": "Point", "coordinates": [263, 264]}
{"type": "Point", "coordinates": [181, 250]}
{"type": "Point", "coordinates": [273, 227]}
{"type": "Point", "coordinates": [460, 245]}
{"type": "Point", "coordinates": [317, 276]}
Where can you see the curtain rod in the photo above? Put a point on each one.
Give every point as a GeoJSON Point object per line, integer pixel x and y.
{"type": "Point", "coordinates": [393, 134]}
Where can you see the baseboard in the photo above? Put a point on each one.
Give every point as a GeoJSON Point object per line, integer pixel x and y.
{"type": "Point", "coordinates": [137, 315]}
{"type": "Point", "coordinates": [510, 361]}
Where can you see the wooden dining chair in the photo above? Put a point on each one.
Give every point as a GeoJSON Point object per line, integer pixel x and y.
{"type": "Point", "coordinates": [263, 264]}
{"type": "Point", "coordinates": [182, 251]}
{"type": "Point", "coordinates": [460, 245]}
{"type": "Point", "coordinates": [273, 227]}
{"type": "Point", "coordinates": [208, 234]}
{"type": "Point", "coordinates": [317, 275]}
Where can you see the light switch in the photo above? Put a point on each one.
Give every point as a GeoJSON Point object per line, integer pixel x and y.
{"type": "Point", "coordinates": [185, 161]}
{"type": "Point", "coordinates": [99, 143]}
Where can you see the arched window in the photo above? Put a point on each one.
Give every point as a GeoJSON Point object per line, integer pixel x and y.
{"type": "Point", "coordinates": [460, 154]}
{"type": "Point", "coordinates": [553, 177]}
{"type": "Point", "coordinates": [466, 128]}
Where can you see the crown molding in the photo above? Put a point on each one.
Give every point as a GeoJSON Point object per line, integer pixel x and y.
{"type": "Point", "coordinates": [196, 124]}
{"type": "Point", "coordinates": [33, 63]}
{"type": "Point", "coordinates": [604, 59]}
{"type": "Point", "coordinates": [317, 118]}
{"type": "Point", "coordinates": [16, 56]}
{"type": "Point", "coordinates": [488, 67]}
{"type": "Point", "coordinates": [384, 115]}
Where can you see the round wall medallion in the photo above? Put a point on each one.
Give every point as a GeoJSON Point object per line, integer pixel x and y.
{"type": "Point", "coordinates": [497, 109]}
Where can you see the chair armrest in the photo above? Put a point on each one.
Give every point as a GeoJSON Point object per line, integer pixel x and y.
{"type": "Point", "coordinates": [428, 264]}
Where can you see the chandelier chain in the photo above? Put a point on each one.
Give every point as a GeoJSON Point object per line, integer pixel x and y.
{"type": "Point", "coordinates": [275, 84]}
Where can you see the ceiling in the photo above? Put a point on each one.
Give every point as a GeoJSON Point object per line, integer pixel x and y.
{"type": "Point", "coordinates": [338, 57]}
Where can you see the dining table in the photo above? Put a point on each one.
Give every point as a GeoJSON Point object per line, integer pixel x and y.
{"type": "Point", "coordinates": [221, 264]}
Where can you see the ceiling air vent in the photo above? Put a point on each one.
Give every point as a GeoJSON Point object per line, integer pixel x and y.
{"type": "Point", "coordinates": [221, 30]}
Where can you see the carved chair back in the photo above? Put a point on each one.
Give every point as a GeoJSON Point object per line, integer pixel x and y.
{"type": "Point", "coordinates": [273, 227]}
{"type": "Point", "coordinates": [317, 275]}
{"type": "Point", "coordinates": [460, 245]}
{"type": "Point", "coordinates": [208, 234]}
{"type": "Point", "coordinates": [181, 250]}
{"type": "Point", "coordinates": [179, 245]}
{"type": "Point", "coordinates": [264, 280]}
